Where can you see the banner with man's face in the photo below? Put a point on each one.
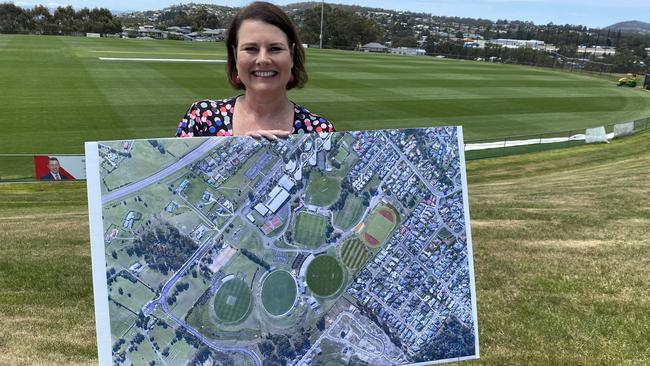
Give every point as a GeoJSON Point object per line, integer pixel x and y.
{"type": "Point", "coordinates": [67, 167]}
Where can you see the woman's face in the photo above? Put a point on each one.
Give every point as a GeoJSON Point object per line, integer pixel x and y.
{"type": "Point", "coordinates": [263, 56]}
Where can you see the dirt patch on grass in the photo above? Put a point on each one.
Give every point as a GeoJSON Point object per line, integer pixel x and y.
{"type": "Point", "coordinates": [371, 240]}
{"type": "Point", "coordinates": [387, 215]}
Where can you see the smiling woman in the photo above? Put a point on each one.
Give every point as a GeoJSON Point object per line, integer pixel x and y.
{"type": "Point", "coordinates": [265, 59]}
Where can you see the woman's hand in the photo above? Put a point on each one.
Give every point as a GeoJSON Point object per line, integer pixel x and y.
{"type": "Point", "coordinates": [270, 135]}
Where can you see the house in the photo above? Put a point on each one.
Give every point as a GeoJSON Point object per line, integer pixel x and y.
{"type": "Point", "coordinates": [183, 30]}
{"type": "Point", "coordinates": [207, 196]}
{"type": "Point", "coordinates": [148, 31]}
{"type": "Point", "coordinates": [209, 35]}
{"type": "Point", "coordinates": [136, 267]}
{"type": "Point", "coordinates": [182, 186]}
{"type": "Point", "coordinates": [130, 219]}
{"type": "Point", "coordinates": [374, 47]}
{"type": "Point", "coordinates": [171, 207]}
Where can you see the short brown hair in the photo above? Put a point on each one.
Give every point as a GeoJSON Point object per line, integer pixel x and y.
{"type": "Point", "coordinates": [271, 14]}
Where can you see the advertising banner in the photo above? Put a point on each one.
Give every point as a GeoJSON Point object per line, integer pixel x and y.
{"type": "Point", "coordinates": [59, 167]}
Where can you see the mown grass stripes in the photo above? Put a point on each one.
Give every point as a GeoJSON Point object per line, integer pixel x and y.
{"type": "Point", "coordinates": [57, 94]}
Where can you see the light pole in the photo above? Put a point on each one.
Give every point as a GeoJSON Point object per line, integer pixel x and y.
{"type": "Point", "coordinates": [322, 8]}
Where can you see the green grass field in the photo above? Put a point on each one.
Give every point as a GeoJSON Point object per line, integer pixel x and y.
{"type": "Point", "coordinates": [185, 300]}
{"type": "Point", "coordinates": [133, 294]}
{"type": "Point", "coordinates": [278, 292]}
{"type": "Point", "coordinates": [324, 276]}
{"type": "Point", "coordinates": [121, 320]}
{"type": "Point", "coordinates": [310, 229]}
{"type": "Point", "coordinates": [352, 210]}
{"type": "Point", "coordinates": [354, 253]}
{"type": "Point", "coordinates": [57, 93]}
{"type": "Point", "coordinates": [560, 251]}
{"type": "Point", "coordinates": [378, 226]}
{"type": "Point", "coordinates": [232, 301]}
{"type": "Point", "coordinates": [322, 190]}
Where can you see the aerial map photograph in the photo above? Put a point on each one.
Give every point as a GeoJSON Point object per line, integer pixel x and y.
{"type": "Point", "coordinates": [324, 248]}
{"type": "Point", "coordinates": [399, 183]}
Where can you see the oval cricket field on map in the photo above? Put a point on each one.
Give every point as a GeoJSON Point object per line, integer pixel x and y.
{"type": "Point", "coordinates": [324, 276]}
{"type": "Point", "coordinates": [232, 301]}
{"type": "Point", "coordinates": [279, 292]}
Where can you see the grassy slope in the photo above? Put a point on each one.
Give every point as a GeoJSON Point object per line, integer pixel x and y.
{"type": "Point", "coordinates": [46, 302]}
{"type": "Point", "coordinates": [560, 243]}
{"type": "Point", "coordinates": [58, 94]}
{"type": "Point", "coordinates": [561, 251]}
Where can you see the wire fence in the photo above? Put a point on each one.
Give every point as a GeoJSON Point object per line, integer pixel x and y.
{"type": "Point", "coordinates": [20, 167]}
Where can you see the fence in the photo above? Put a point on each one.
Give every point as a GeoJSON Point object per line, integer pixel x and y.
{"type": "Point", "coordinates": [20, 167]}
{"type": "Point", "coordinates": [521, 144]}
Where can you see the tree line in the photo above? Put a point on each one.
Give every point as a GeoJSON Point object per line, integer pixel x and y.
{"type": "Point", "coordinates": [350, 27]}
{"type": "Point", "coordinates": [64, 20]}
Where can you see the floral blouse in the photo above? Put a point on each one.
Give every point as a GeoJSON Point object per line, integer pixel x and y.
{"type": "Point", "coordinates": [214, 118]}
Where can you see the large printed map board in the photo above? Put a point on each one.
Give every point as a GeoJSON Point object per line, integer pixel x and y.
{"type": "Point", "coordinates": [333, 249]}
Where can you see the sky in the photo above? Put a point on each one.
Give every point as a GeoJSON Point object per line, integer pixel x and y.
{"type": "Point", "coordinates": [592, 13]}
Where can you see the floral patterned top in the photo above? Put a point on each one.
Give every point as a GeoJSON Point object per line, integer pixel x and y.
{"type": "Point", "coordinates": [214, 118]}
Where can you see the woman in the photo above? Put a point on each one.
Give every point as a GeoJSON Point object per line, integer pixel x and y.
{"type": "Point", "coordinates": [265, 59]}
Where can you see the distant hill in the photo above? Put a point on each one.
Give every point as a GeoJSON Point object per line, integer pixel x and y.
{"type": "Point", "coordinates": [632, 26]}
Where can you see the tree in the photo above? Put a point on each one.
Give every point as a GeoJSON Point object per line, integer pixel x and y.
{"type": "Point", "coordinates": [40, 20]}
{"type": "Point", "coordinates": [321, 324]}
{"type": "Point", "coordinates": [203, 19]}
{"type": "Point", "coordinates": [13, 19]}
{"type": "Point", "coordinates": [274, 360]}
{"type": "Point", "coordinates": [341, 28]}
{"type": "Point", "coordinates": [406, 41]}
{"type": "Point", "coordinates": [285, 349]}
{"type": "Point", "coordinates": [102, 21]}
{"type": "Point", "coordinates": [266, 348]}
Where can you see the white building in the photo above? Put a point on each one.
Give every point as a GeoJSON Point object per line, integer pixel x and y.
{"type": "Point", "coordinates": [596, 51]}
{"type": "Point", "coordinates": [286, 182]}
{"type": "Point", "coordinates": [128, 220]}
{"type": "Point", "coordinates": [261, 209]}
{"type": "Point", "coordinates": [518, 43]}
{"type": "Point", "coordinates": [290, 166]}
{"type": "Point", "coordinates": [276, 199]}
{"type": "Point", "coordinates": [408, 51]}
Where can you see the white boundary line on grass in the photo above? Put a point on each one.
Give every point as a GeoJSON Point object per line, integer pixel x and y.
{"type": "Point", "coordinates": [158, 59]}
{"type": "Point", "coordinates": [160, 53]}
